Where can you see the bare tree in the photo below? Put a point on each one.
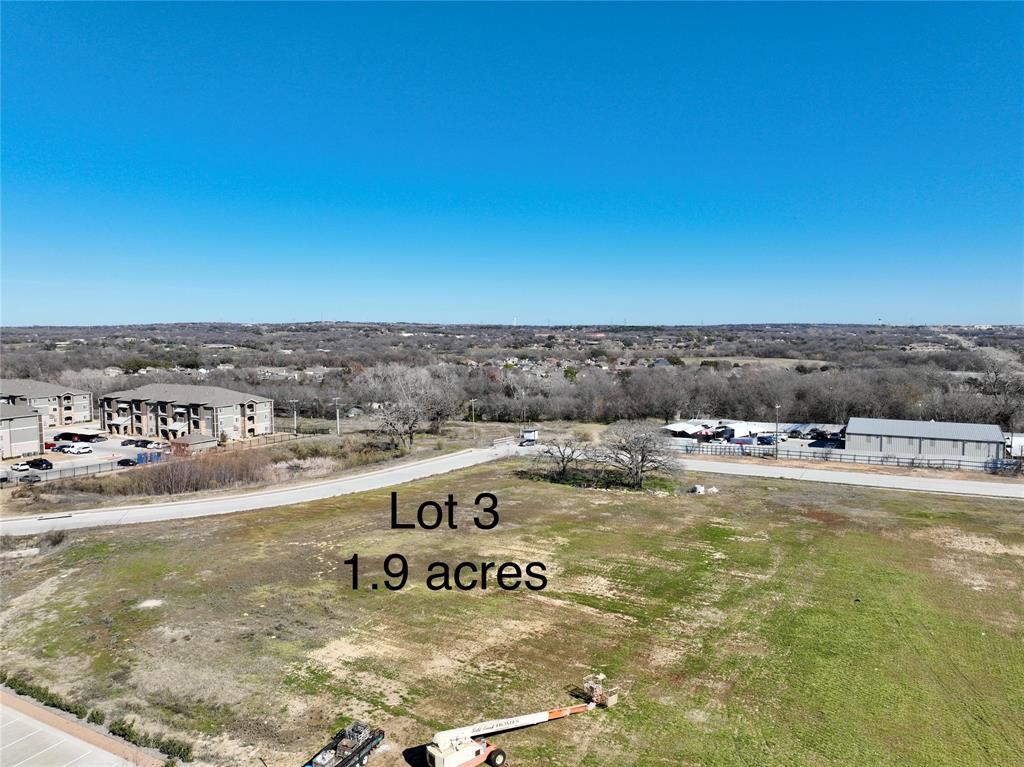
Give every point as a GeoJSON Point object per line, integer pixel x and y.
{"type": "Point", "coordinates": [441, 396]}
{"type": "Point", "coordinates": [637, 448]}
{"type": "Point", "coordinates": [563, 454]}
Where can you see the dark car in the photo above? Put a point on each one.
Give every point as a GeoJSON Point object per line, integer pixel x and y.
{"type": "Point", "coordinates": [40, 464]}
{"type": "Point", "coordinates": [129, 442]}
{"type": "Point", "coordinates": [127, 462]}
{"type": "Point", "coordinates": [767, 439]}
{"type": "Point", "coordinates": [528, 443]}
{"type": "Point", "coordinates": [62, 448]}
{"type": "Point", "coordinates": [96, 438]}
{"type": "Point", "coordinates": [30, 479]}
{"type": "Point", "coordinates": [143, 443]}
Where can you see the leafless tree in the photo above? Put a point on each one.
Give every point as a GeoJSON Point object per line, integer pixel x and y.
{"type": "Point", "coordinates": [637, 448]}
{"type": "Point", "coordinates": [563, 454]}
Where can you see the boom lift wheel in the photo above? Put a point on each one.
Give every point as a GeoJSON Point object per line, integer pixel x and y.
{"type": "Point", "coordinates": [365, 759]}
{"type": "Point", "coordinates": [497, 758]}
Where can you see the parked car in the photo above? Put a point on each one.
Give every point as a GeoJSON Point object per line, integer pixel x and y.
{"type": "Point", "coordinates": [62, 448]}
{"type": "Point", "coordinates": [158, 445]}
{"type": "Point", "coordinates": [766, 439]}
{"type": "Point", "coordinates": [78, 450]}
{"type": "Point", "coordinates": [96, 438]}
{"type": "Point", "coordinates": [40, 464]}
{"type": "Point", "coordinates": [143, 443]}
{"type": "Point", "coordinates": [30, 479]}
{"type": "Point", "coordinates": [127, 462]}
{"type": "Point", "coordinates": [528, 443]}
{"type": "Point", "coordinates": [49, 445]}
{"type": "Point", "coordinates": [20, 467]}
{"type": "Point", "coordinates": [129, 442]}
{"type": "Point", "coordinates": [4, 479]}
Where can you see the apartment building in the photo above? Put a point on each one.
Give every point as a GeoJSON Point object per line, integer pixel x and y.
{"type": "Point", "coordinates": [21, 431]}
{"type": "Point", "coordinates": [58, 405]}
{"type": "Point", "coordinates": [171, 411]}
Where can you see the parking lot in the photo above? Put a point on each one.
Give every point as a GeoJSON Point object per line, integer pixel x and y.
{"type": "Point", "coordinates": [103, 456]}
{"type": "Point", "coordinates": [28, 742]}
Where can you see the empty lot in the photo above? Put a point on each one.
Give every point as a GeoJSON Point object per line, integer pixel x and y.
{"type": "Point", "coordinates": [777, 623]}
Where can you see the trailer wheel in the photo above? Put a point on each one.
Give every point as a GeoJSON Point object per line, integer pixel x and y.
{"type": "Point", "coordinates": [365, 759]}
{"type": "Point", "coordinates": [497, 758]}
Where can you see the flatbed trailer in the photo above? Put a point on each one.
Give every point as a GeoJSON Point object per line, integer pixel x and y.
{"type": "Point", "coordinates": [349, 748]}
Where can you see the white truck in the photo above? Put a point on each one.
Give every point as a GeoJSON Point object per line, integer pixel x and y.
{"type": "Point", "coordinates": [464, 746]}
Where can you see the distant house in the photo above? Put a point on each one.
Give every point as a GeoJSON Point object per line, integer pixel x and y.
{"type": "Point", "coordinates": [113, 371]}
{"type": "Point", "coordinates": [973, 441]}
{"type": "Point", "coordinates": [57, 404]}
{"type": "Point", "coordinates": [354, 412]}
{"type": "Point", "coordinates": [172, 411]}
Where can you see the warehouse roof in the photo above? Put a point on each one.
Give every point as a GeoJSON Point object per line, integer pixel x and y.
{"type": "Point", "coordinates": [206, 395]}
{"type": "Point", "coordinates": [25, 387]}
{"type": "Point", "coordinates": [17, 411]}
{"type": "Point", "coordinates": [885, 427]}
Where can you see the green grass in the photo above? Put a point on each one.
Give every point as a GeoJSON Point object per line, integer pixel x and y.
{"type": "Point", "coordinates": [778, 623]}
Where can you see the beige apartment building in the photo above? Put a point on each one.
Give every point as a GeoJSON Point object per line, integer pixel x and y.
{"type": "Point", "coordinates": [21, 431]}
{"type": "Point", "coordinates": [172, 411]}
{"type": "Point", "coordinates": [57, 404]}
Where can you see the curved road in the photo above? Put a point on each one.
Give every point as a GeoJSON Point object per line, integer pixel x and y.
{"type": "Point", "coordinates": [396, 475]}
{"type": "Point", "coordinates": [260, 499]}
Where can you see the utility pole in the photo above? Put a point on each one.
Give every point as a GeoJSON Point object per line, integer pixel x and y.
{"type": "Point", "coordinates": [295, 415]}
{"type": "Point", "coordinates": [777, 431]}
{"type": "Point", "coordinates": [337, 414]}
{"type": "Point", "coordinates": [472, 415]}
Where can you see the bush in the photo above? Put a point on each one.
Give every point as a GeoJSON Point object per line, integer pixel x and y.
{"type": "Point", "coordinates": [173, 748]}
{"type": "Point", "coordinates": [96, 717]}
{"type": "Point", "coordinates": [43, 695]}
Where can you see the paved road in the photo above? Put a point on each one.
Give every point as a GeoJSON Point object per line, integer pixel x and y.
{"type": "Point", "coordinates": [860, 478]}
{"type": "Point", "coordinates": [31, 737]}
{"type": "Point", "coordinates": [396, 475]}
{"type": "Point", "coordinates": [126, 515]}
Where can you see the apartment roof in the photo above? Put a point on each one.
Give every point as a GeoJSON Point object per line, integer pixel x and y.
{"type": "Point", "coordinates": [206, 395]}
{"type": "Point", "coordinates": [25, 387]}
{"type": "Point", "coordinates": [885, 427]}
{"type": "Point", "coordinates": [17, 411]}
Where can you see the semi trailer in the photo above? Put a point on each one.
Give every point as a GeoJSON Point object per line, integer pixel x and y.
{"type": "Point", "coordinates": [349, 748]}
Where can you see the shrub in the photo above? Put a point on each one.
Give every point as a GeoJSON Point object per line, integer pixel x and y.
{"type": "Point", "coordinates": [43, 695]}
{"type": "Point", "coordinates": [96, 717]}
{"type": "Point", "coordinates": [173, 748]}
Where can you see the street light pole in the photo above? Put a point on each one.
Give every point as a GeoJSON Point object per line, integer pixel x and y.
{"type": "Point", "coordinates": [295, 415]}
{"type": "Point", "coordinates": [337, 415]}
{"type": "Point", "coordinates": [777, 432]}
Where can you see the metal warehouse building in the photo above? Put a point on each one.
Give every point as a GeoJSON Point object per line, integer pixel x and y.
{"type": "Point", "coordinates": [973, 441]}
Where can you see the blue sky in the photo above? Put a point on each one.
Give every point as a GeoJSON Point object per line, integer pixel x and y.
{"type": "Point", "coordinates": [483, 163]}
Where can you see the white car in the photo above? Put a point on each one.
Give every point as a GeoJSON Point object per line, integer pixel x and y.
{"type": "Point", "coordinates": [20, 467]}
{"type": "Point", "coordinates": [79, 450]}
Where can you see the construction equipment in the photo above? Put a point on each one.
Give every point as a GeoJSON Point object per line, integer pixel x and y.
{"type": "Point", "coordinates": [463, 746]}
{"type": "Point", "coordinates": [349, 748]}
{"type": "Point", "coordinates": [595, 691]}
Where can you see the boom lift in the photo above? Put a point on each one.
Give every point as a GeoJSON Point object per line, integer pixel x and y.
{"type": "Point", "coordinates": [463, 746]}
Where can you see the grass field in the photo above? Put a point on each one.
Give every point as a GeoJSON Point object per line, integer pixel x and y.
{"type": "Point", "coordinates": [777, 623]}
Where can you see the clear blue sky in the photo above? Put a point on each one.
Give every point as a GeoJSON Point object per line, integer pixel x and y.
{"type": "Point", "coordinates": [479, 163]}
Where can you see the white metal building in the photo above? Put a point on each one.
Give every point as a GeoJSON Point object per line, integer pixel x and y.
{"type": "Point", "coordinates": [882, 436]}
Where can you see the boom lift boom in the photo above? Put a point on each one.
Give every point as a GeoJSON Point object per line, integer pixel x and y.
{"type": "Point", "coordinates": [464, 746]}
